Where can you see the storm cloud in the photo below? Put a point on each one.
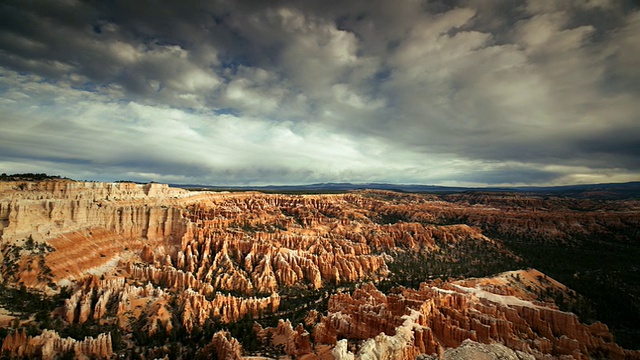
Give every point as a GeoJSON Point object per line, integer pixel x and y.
{"type": "Point", "coordinates": [274, 92]}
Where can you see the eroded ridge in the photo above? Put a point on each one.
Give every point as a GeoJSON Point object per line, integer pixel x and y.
{"type": "Point", "coordinates": [439, 315]}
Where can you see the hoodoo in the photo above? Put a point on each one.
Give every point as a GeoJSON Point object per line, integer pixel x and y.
{"type": "Point", "coordinates": [103, 270]}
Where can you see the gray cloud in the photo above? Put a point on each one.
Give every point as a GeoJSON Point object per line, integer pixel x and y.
{"type": "Point", "coordinates": [528, 92]}
{"type": "Point", "coordinates": [516, 175]}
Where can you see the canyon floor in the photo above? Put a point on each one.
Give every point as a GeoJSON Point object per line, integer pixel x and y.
{"type": "Point", "coordinates": [145, 271]}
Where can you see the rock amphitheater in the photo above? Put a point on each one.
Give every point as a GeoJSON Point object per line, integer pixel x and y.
{"type": "Point", "coordinates": [163, 264]}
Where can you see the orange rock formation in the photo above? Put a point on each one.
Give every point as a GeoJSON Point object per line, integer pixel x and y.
{"type": "Point", "coordinates": [428, 320]}
{"type": "Point", "coordinates": [226, 347]}
{"type": "Point", "coordinates": [130, 251]}
{"type": "Point", "coordinates": [49, 346]}
{"type": "Point", "coordinates": [296, 342]}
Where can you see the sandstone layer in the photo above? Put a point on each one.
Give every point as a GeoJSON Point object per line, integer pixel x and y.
{"type": "Point", "coordinates": [160, 262]}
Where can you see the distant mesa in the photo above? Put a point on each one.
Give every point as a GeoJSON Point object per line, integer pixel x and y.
{"type": "Point", "coordinates": [601, 191]}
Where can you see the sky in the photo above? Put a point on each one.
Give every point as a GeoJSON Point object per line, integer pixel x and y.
{"type": "Point", "coordinates": [539, 92]}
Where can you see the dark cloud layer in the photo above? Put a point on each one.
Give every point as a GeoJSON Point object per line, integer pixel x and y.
{"type": "Point", "coordinates": [468, 92]}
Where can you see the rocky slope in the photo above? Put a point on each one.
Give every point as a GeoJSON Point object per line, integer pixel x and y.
{"type": "Point", "coordinates": [174, 273]}
{"type": "Point", "coordinates": [443, 315]}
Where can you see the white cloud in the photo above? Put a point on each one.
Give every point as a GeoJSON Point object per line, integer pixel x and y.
{"type": "Point", "coordinates": [298, 92]}
{"type": "Point", "coordinates": [127, 138]}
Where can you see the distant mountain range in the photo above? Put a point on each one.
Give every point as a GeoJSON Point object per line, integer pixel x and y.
{"type": "Point", "coordinates": [604, 191]}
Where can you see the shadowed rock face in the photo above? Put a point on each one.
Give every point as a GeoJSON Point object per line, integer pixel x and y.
{"type": "Point", "coordinates": [160, 261]}
{"type": "Point", "coordinates": [537, 218]}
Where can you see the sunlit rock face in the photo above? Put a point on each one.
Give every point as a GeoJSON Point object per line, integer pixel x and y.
{"type": "Point", "coordinates": [154, 261]}
{"type": "Point", "coordinates": [503, 309]}
{"type": "Point", "coordinates": [49, 345]}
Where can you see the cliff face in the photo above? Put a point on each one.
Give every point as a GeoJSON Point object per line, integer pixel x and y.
{"type": "Point", "coordinates": [45, 209]}
{"type": "Point", "coordinates": [89, 226]}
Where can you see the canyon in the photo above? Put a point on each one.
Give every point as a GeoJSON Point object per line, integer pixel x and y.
{"type": "Point", "coordinates": [147, 271]}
